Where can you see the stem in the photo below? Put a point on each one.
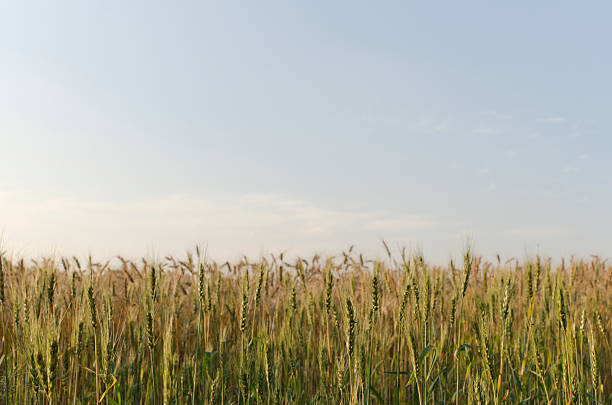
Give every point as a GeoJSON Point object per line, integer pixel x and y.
{"type": "Point", "coordinates": [501, 365]}
{"type": "Point", "coordinates": [369, 382]}
{"type": "Point", "coordinates": [195, 363]}
{"type": "Point", "coordinates": [96, 364]}
{"type": "Point", "coordinates": [152, 374]}
{"type": "Point", "coordinates": [457, 362]}
{"type": "Point", "coordinates": [398, 368]}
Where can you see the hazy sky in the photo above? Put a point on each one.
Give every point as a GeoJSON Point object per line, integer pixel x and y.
{"type": "Point", "coordinates": [254, 127]}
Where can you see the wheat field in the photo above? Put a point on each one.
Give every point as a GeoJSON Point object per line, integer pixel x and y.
{"type": "Point", "coordinates": [322, 330]}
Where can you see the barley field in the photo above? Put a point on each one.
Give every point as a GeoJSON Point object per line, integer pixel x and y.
{"type": "Point", "coordinates": [322, 330]}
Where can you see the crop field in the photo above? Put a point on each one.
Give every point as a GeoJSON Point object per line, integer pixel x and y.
{"type": "Point", "coordinates": [321, 330]}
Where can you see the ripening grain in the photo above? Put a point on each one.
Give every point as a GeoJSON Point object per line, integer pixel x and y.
{"type": "Point", "coordinates": [336, 330]}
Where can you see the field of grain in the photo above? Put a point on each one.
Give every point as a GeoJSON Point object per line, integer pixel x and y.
{"type": "Point", "coordinates": [322, 330]}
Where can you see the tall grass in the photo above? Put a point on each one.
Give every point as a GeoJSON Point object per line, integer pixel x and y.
{"type": "Point", "coordinates": [327, 330]}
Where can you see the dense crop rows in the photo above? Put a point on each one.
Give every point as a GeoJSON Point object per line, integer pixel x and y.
{"type": "Point", "coordinates": [324, 330]}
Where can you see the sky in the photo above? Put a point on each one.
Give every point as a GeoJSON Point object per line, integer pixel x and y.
{"type": "Point", "coordinates": [146, 127]}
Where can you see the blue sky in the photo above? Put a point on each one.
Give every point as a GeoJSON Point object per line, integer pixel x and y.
{"type": "Point", "coordinates": [146, 127]}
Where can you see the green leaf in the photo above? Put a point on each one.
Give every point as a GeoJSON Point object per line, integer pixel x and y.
{"type": "Point", "coordinates": [425, 351]}
{"type": "Point", "coordinates": [411, 379]}
{"type": "Point", "coordinates": [231, 312]}
{"type": "Point", "coordinates": [396, 395]}
{"type": "Point", "coordinates": [376, 394]}
{"type": "Point", "coordinates": [517, 379]}
{"type": "Point", "coordinates": [464, 346]}
{"type": "Point", "coordinates": [467, 348]}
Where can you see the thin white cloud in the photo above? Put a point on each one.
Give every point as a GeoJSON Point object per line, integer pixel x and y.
{"type": "Point", "coordinates": [570, 169]}
{"type": "Point", "coordinates": [512, 153]}
{"type": "Point", "coordinates": [497, 114]}
{"type": "Point", "coordinates": [433, 125]}
{"type": "Point", "coordinates": [401, 224]}
{"type": "Point", "coordinates": [537, 232]}
{"type": "Point", "coordinates": [232, 224]}
{"type": "Point", "coordinates": [552, 120]}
